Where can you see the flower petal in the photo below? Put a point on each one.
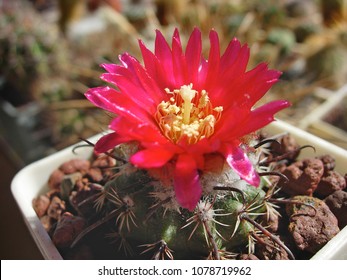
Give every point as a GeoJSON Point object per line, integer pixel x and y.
{"type": "Point", "coordinates": [239, 162]}
{"type": "Point", "coordinates": [186, 182]}
{"type": "Point", "coordinates": [193, 55]}
{"type": "Point", "coordinates": [110, 67]}
{"type": "Point", "coordinates": [228, 83]}
{"type": "Point", "coordinates": [258, 81]}
{"type": "Point", "coordinates": [141, 132]}
{"type": "Point", "coordinates": [178, 61]}
{"type": "Point", "coordinates": [144, 80]}
{"type": "Point", "coordinates": [151, 158]}
{"type": "Point", "coordinates": [235, 58]}
{"type": "Point", "coordinates": [108, 142]}
{"type": "Point", "coordinates": [154, 68]}
{"type": "Point", "coordinates": [213, 61]}
{"type": "Point", "coordinates": [113, 101]}
{"type": "Point", "coordinates": [132, 90]}
{"type": "Point", "coordinates": [260, 117]}
{"type": "Point", "coordinates": [238, 122]}
{"type": "Point", "coordinates": [230, 55]}
{"type": "Point", "coordinates": [163, 53]}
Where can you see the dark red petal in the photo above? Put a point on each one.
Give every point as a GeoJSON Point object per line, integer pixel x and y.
{"type": "Point", "coordinates": [235, 58]}
{"type": "Point", "coordinates": [260, 117]}
{"type": "Point", "coordinates": [193, 55]}
{"type": "Point", "coordinates": [203, 68]}
{"type": "Point", "coordinates": [244, 89]}
{"type": "Point", "coordinates": [108, 142]}
{"type": "Point", "coordinates": [230, 55]}
{"type": "Point", "coordinates": [149, 59]}
{"type": "Point", "coordinates": [111, 100]}
{"type": "Point", "coordinates": [258, 81]}
{"type": "Point", "coordinates": [230, 82]}
{"type": "Point", "coordinates": [186, 182]}
{"type": "Point", "coordinates": [178, 62]}
{"type": "Point", "coordinates": [213, 61]}
{"type": "Point", "coordinates": [151, 158]}
{"type": "Point", "coordinates": [143, 79]}
{"type": "Point", "coordinates": [111, 68]}
{"type": "Point", "coordinates": [142, 133]}
{"type": "Point", "coordinates": [163, 53]}
{"type": "Point", "coordinates": [240, 163]}
{"type": "Point", "coordinates": [133, 91]}
{"type": "Point", "coordinates": [229, 123]}
{"type": "Point", "coordinates": [155, 68]}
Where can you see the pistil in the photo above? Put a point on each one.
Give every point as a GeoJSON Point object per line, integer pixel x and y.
{"type": "Point", "coordinates": [187, 94]}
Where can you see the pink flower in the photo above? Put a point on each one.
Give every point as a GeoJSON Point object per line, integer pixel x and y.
{"type": "Point", "coordinates": [180, 108]}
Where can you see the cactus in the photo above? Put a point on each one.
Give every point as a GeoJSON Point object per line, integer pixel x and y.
{"type": "Point", "coordinates": [188, 181]}
{"type": "Point", "coordinates": [145, 217]}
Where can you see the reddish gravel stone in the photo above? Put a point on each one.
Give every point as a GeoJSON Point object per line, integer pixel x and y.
{"type": "Point", "coordinates": [75, 165]}
{"type": "Point", "coordinates": [331, 181]}
{"type": "Point", "coordinates": [47, 222]}
{"type": "Point", "coordinates": [267, 251]}
{"type": "Point", "coordinates": [41, 204]}
{"type": "Point", "coordinates": [95, 174]}
{"type": "Point", "coordinates": [56, 208]}
{"type": "Point", "coordinates": [67, 229]}
{"type": "Point", "coordinates": [55, 179]}
{"type": "Point", "coordinates": [311, 228]}
{"type": "Point", "coordinates": [288, 145]}
{"type": "Point", "coordinates": [328, 162]}
{"type": "Point", "coordinates": [337, 203]}
{"type": "Point", "coordinates": [104, 161]}
{"type": "Point", "coordinates": [303, 176]}
{"type": "Point", "coordinates": [79, 199]}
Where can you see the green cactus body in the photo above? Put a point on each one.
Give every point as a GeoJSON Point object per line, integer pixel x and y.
{"type": "Point", "coordinates": [143, 220]}
{"type": "Point", "coordinates": [238, 231]}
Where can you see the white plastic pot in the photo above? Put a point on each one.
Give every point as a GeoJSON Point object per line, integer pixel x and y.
{"type": "Point", "coordinates": [31, 181]}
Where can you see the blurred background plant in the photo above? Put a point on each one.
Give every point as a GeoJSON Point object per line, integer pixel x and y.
{"type": "Point", "coordinates": [50, 52]}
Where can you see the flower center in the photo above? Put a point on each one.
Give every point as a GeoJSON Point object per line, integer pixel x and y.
{"type": "Point", "coordinates": [187, 115]}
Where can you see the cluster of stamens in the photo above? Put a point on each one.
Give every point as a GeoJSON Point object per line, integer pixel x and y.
{"type": "Point", "coordinates": [188, 115]}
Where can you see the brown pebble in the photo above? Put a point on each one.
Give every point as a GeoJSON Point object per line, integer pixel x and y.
{"type": "Point", "coordinates": [331, 181]}
{"type": "Point", "coordinates": [95, 174]}
{"type": "Point", "coordinates": [311, 228]}
{"type": "Point", "coordinates": [79, 199]}
{"type": "Point", "coordinates": [56, 208]}
{"type": "Point", "coordinates": [75, 165]}
{"type": "Point", "coordinates": [46, 222]}
{"type": "Point", "coordinates": [288, 145]}
{"type": "Point", "coordinates": [267, 251]}
{"type": "Point", "coordinates": [55, 179]}
{"type": "Point", "coordinates": [337, 202]}
{"type": "Point", "coordinates": [41, 204]}
{"type": "Point", "coordinates": [104, 161]}
{"type": "Point", "coordinates": [328, 162]}
{"type": "Point", "coordinates": [303, 176]}
{"type": "Point", "coordinates": [68, 227]}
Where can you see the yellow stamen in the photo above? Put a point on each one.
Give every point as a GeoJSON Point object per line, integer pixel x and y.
{"type": "Point", "coordinates": [188, 114]}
